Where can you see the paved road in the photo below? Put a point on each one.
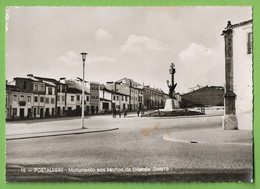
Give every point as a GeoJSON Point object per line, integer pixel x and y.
{"type": "Point", "coordinates": [130, 152]}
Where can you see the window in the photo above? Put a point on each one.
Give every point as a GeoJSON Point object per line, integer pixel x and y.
{"type": "Point", "coordinates": [122, 98]}
{"type": "Point", "coordinates": [41, 99]}
{"type": "Point", "coordinates": [15, 97]}
{"type": "Point", "coordinates": [42, 87]}
{"type": "Point", "coordinates": [72, 98]}
{"type": "Point", "coordinates": [47, 100]}
{"type": "Point", "coordinates": [63, 88]}
{"type": "Point", "coordinates": [21, 97]}
{"type": "Point", "coordinates": [249, 43]}
{"type": "Point", "coordinates": [78, 97]}
{"type": "Point", "coordinates": [96, 97]}
{"type": "Point", "coordinates": [125, 98]}
{"type": "Point", "coordinates": [58, 98]}
{"type": "Point", "coordinates": [117, 98]}
{"type": "Point", "coordinates": [52, 100]}
{"type": "Point", "coordinates": [50, 90]}
{"type": "Point", "coordinates": [87, 98]}
{"type": "Point", "coordinates": [62, 98]}
{"type": "Point", "coordinates": [114, 97]}
{"type": "Point", "coordinates": [36, 87]}
{"type": "Point", "coordinates": [35, 99]}
{"type": "Point", "coordinates": [29, 98]}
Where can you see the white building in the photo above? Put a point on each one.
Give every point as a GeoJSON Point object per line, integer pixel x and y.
{"type": "Point", "coordinates": [242, 60]}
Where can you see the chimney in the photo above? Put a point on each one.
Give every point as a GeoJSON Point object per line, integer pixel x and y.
{"type": "Point", "coordinates": [29, 75]}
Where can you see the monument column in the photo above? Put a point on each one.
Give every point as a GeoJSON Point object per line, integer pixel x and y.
{"type": "Point", "coordinates": [229, 121]}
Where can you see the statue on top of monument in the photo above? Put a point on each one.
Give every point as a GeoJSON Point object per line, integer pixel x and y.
{"type": "Point", "coordinates": [171, 86]}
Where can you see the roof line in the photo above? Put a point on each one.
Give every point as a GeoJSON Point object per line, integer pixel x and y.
{"type": "Point", "coordinates": [242, 23]}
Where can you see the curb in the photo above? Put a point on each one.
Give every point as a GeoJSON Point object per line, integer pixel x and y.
{"type": "Point", "coordinates": [166, 137]}
{"type": "Point", "coordinates": [61, 134]}
{"type": "Point", "coordinates": [192, 116]}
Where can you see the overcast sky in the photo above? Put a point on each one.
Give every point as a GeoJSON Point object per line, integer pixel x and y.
{"type": "Point", "coordinates": [134, 42]}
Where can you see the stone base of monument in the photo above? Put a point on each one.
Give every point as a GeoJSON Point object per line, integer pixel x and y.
{"type": "Point", "coordinates": [229, 122]}
{"type": "Point", "coordinates": [172, 108]}
{"type": "Point", "coordinates": [170, 105]}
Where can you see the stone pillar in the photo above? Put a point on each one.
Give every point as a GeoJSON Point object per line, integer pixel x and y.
{"type": "Point", "coordinates": [229, 120]}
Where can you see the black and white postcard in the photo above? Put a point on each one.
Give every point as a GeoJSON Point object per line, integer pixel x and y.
{"type": "Point", "coordinates": [129, 94]}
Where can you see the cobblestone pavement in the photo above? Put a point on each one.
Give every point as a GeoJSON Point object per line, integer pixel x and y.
{"type": "Point", "coordinates": [130, 152]}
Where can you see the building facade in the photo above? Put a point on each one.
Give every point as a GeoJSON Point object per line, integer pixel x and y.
{"type": "Point", "coordinates": [19, 103]}
{"type": "Point", "coordinates": [153, 98]}
{"type": "Point", "coordinates": [94, 97]}
{"type": "Point", "coordinates": [131, 89]}
{"type": "Point", "coordinates": [38, 97]}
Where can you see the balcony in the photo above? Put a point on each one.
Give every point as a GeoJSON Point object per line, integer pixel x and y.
{"type": "Point", "coordinates": [22, 103]}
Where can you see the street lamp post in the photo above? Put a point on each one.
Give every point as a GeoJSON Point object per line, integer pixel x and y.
{"type": "Point", "coordinates": [83, 96]}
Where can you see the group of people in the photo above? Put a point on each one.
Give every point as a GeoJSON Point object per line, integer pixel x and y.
{"type": "Point", "coordinates": [124, 111]}
{"type": "Point", "coordinates": [119, 112]}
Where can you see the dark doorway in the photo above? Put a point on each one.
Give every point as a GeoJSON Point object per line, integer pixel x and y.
{"type": "Point", "coordinates": [21, 112]}
{"type": "Point", "coordinates": [105, 106]}
{"type": "Point", "coordinates": [29, 113]}
{"type": "Point", "coordinates": [47, 112]}
{"type": "Point", "coordinates": [41, 112]}
{"type": "Point", "coordinates": [58, 110]}
{"type": "Point", "coordinates": [34, 112]}
{"type": "Point", "coordinates": [92, 109]}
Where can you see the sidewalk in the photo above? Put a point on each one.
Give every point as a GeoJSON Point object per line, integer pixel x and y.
{"type": "Point", "coordinates": [211, 136]}
{"type": "Point", "coordinates": [49, 128]}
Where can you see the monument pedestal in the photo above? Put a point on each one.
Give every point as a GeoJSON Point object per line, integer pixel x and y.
{"type": "Point", "coordinates": [170, 105]}
{"type": "Point", "coordinates": [229, 122]}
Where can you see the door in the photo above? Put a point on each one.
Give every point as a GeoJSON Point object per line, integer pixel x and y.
{"type": "Point", "coordinates": [41, 112]}
{"type": "Point", "coordinates": [58, 111]}
{"type": "Point", "coordinates": [47, 112]}
{"type": "Point", "coordinates": [21, 112]}
{"type": "Point", "coordinates": [92, 109]}
{"type": "Point", "coordinates": [29, 113]}
{"type": "Point", "coordinates": [34, 112]}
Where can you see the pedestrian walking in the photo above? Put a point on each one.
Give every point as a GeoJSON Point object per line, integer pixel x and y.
{"type": "Point", "coordinates": [119, 112]}
{"type": "Point", "coordinates": [138, 111]}
{"type": "Point", "coordinates": [114, 112]}
{"type": "Point", "coordinates": [125, 112]}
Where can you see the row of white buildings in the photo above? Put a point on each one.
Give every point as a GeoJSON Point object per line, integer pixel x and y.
{"type": "Point", "coordinates": [33, 97]}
